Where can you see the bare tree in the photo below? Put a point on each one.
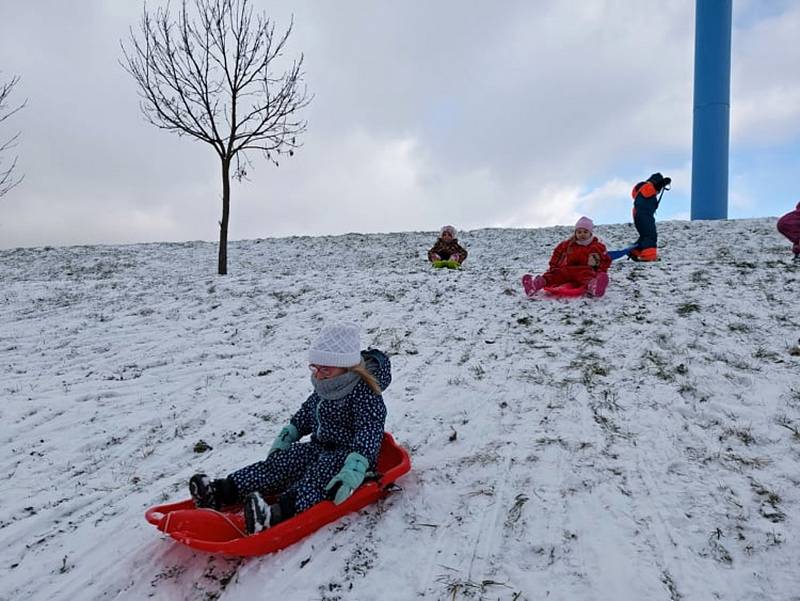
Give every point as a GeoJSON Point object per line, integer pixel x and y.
{"type": "Point", "coordinates": [7, 177]}
{"type": "Point", "coordinates": [211, 77]}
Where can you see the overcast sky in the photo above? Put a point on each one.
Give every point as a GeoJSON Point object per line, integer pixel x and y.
{"type": "Point", "coordinates": [481, 114]}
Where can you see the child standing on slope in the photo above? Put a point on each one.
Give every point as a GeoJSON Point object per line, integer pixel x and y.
{"type": "Point", "coordinates": [344, 417]}
{"type": "Point", "coordinates": [789, 226]}
{"type": "Point", "coordinates": [580, 260]}
{"type": "Point", "coordinates": [447, 247]}
{"type": "Point", "coordinates": [646, 198]}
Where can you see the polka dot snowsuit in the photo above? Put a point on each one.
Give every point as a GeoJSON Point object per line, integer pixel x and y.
{"type": "Point", "coordinates": [353, 424]}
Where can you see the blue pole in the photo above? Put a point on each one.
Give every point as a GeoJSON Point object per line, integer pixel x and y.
{"type": "Point", "coordinates": [712, 92]}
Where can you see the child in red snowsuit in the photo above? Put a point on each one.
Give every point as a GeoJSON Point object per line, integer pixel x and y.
{"type": "Point", "coordinates": [789, 226]}
{"type": "Point", "coordinates": [580, 260]}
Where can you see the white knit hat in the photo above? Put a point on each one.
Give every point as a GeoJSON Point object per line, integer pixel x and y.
{"type": "Point", "coordinates": [338, 345]}
{"type": "Point", "coordinates": [448, 228]}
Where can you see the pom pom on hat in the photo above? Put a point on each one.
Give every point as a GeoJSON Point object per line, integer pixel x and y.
{"type": "Point", "coordinates": [585, 223]}
{"type": "Point", "coordinates": [338, 345]}
{"type": "Point", "coordinates": [449, 228]}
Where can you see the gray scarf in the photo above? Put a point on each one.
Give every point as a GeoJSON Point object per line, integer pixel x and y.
{"type": "Point", "coordinates": [336, 388]}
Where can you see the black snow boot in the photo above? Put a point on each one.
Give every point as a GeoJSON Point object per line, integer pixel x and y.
{"type": "Point", "coordinates": [257, 513]}
{"type": "Point", "coordinates": [214, 494]}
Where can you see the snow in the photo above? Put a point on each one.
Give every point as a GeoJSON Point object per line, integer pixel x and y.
{"type": "Point", "coordinates": [640, 446]}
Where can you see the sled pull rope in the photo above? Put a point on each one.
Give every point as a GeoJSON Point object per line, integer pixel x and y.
{"type": "Point", "coordinates": [222, 514]}
{"type": "Point", "coordinates": [225, 517]}
{"type": "Point", "coordinates": [660, 194]}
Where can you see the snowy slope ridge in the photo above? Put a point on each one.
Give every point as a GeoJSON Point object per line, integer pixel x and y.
{"type": "Point", "coordinates": [642, 446]}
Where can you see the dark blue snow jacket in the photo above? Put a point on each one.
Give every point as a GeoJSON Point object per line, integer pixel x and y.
{"type": "Point", "coordinates": [354, 423]}
{"type": "Point", "coordinates": [645, 204]}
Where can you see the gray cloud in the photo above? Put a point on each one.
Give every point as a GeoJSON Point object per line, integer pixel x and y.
{"type": "Point", "coordinates": [517, 114]}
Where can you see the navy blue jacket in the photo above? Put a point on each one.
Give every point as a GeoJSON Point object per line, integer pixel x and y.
{"type": "Point", "coordinates": [645, 197]}
{"type": "Point", "coordinates": [645, 203]}
{"type": "Point", "coordinates": [354, 423]}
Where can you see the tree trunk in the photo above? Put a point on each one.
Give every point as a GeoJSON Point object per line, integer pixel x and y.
{"type": "Point", "coordinates": [222, 265]}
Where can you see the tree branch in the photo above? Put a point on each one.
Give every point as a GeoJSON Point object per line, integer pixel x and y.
{"type": "Point", "coordinates": [194, 73]}
{"type": "Point", "coordinates": [7, 178]}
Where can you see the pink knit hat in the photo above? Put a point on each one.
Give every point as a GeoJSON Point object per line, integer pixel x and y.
{"type": "Point", "coordinates": [450, 229]}
{"type": "Point", "coordinates": [585, 223]}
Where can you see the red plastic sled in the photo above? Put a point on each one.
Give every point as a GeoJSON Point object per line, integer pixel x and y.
{"type": "Point", "coordinates": [223, 531]}
{"type": "Point", "coordinates": [566, 290]}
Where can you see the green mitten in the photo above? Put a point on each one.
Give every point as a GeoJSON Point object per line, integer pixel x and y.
{"type": "Point", "coordinates": [348, 479]}
{"type": "Point", "coordinates": [286, 437]}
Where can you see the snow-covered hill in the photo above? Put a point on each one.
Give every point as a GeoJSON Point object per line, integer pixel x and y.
{"type": "Point", "coordinates": [641, 446]}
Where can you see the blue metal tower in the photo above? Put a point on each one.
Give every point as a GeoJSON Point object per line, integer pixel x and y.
{"type": "Point", "coordinates": [712, 91]}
